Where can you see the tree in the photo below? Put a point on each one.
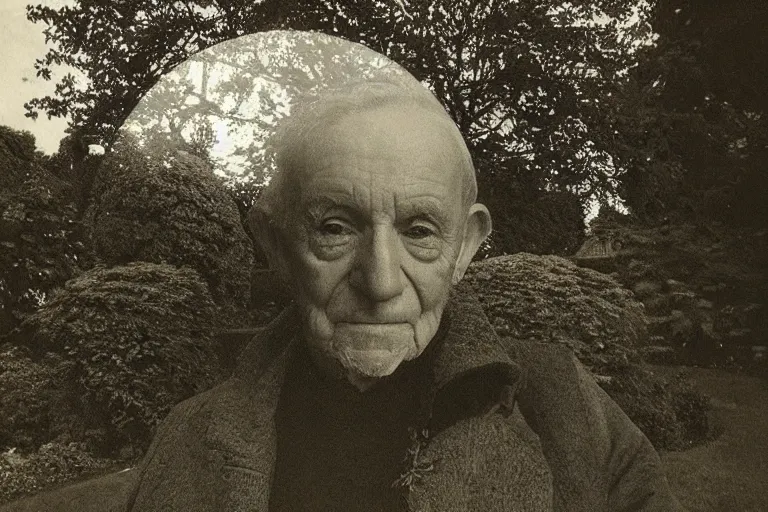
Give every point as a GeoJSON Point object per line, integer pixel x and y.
{"type": "Point", "coordinates": [693, 125]}
{"type": "Point", "coordinates": [240, 89]}
{"type": "Point", "coordinates": [123, 48]}
{"type": "Point", "coordinates": [525, 81]}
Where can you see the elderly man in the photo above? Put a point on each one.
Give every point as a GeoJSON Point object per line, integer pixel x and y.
{"type": "Point", "coordinates": [384, 387]}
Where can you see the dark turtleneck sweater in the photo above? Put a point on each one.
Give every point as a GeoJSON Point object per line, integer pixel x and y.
{"type": "Point", "coordinates": [339, 449]}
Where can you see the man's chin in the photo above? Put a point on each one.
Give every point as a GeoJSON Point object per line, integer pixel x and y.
{"type": "Point", "coordinates": [373, 350]}
{"type": "Point", "coordinates": [372, 363]}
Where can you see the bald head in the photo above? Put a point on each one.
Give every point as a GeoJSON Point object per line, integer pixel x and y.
{"type": "Point", "coordinates": [303, 132]}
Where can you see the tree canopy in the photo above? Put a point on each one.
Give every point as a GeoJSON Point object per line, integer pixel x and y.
{"type": "Point", "coordinates": [691, 124]}
{"type": "Point", "coordinates": [635, 99]}
{"type": "Point", "coordinates": [170, 208]}
{"type": "Point", "coordinates": [525, 81]}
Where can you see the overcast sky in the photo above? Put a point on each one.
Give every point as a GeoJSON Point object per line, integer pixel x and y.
{"type": "Point", "coordinates": [21, 42]}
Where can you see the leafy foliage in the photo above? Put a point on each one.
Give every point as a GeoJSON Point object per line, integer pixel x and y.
{"type": "Point", "coordinates": [526, 82]}
{"type": "Point", "coordinates": [243, 87]}
{"type": "Point", "coordinates": [168, 207]}
{"type": "Point", "coordinates": [691, 126]}
{"type": "Point", "coordinates": [138, 338]}
{"type": "Point", "coordinates": [53, 463]}
{"type": "Point", "coordinates": [40, 242]}
{"type": "Point", "coordinates": [17, 156]}
{"type": "Point", "coordinates": [551, 299]}
{"type": "Point", "coordinates": [35, 399]}
{"type": "Point", "coordinates": [534, 222]}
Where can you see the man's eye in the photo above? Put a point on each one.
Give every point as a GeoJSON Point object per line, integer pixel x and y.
{"type": "Point", "coordinates": [334, 227]}
{"type": "Point", "coordinates": [419, 232]}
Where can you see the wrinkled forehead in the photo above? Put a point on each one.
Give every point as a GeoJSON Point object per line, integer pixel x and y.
{"type": "Point", "coordinates": [394, 141]}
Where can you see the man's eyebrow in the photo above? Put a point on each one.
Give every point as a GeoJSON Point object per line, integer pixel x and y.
{"type": "Point", "coordinates": [319, 204]}
{"type": "Point", "coordinates": [423, 207]}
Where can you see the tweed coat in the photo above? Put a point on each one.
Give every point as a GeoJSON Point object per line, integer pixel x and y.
{"type": "Point", "coordinates": [513, 426]}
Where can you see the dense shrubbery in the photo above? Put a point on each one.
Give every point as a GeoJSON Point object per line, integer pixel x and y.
{"type": "Point", "coordinates": [534, 222]}
{"type": "Point", "coordinates": [138, 338]}
{"type": "Point", "coordinates": [17, 155]}
{"type": "Point", "coordinates": [704, 285]}
{"type": "Point", "coordinates": [35, 399]}
{"type": "Point", "coordinates": [170, 208]}
{"type": "Point", "coordinates": [53, 463]}
{"type": "Point", "coordinates": [39, 235]}
{"type": "Point", "coordinates": [550, 299]}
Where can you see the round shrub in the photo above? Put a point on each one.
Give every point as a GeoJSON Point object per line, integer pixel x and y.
{"type": "Point", "coordinates": [170, 208]}
{"type": "Point", "coordinates": [550, 299]}
{"type": "Point", "coordinates": [139, 338]}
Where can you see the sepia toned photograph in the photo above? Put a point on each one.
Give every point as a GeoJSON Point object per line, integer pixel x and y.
{"type": "Point", "coordinates": [383, 256]}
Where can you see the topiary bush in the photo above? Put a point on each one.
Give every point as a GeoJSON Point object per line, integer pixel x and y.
{"type": "Point", "coordinates": [170, 208]}
{"type": "Point", "coordinates": [550, 299]}
{"type": "Point", "coordinates": [139, 338]}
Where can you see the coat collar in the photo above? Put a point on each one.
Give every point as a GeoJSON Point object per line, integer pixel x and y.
{"type": "Point", "coordinates": [472, 372]}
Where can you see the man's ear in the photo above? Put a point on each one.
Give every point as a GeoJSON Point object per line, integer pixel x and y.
{"type": "Point", "coordinates": [477, 229]}
{"type": "Point", "coordinates": [270, 239]}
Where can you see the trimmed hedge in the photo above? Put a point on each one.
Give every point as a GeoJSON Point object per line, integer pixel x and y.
{"type": "Point", "coordinates": [170, 208]}
{"type": "Point", "coordinates": [549, 298]}
{"type": "Point", "coordinates": [139, 338]}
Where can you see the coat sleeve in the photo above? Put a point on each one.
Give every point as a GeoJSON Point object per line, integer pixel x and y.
{"type": "Point", "coordinates": [169, 477]}
{"type": "Point", "coordinates": [634, 477]}
{"type": "Point", "coordinates": [600, 460]}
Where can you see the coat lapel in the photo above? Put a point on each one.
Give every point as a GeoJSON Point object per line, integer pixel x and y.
{"type": "Point", "coordinates": [479, 455]}
{"type": "Point", "coordinates": [216, 451]}
{"type": "Point", "coordinates": [243, 436]}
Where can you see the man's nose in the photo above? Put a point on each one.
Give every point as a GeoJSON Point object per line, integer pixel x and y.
{"type": "Point", "coordinates": [378, 274]}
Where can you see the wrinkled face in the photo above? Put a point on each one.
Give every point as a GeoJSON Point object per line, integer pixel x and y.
{"type": "Point", "coordinates": [375, 240]}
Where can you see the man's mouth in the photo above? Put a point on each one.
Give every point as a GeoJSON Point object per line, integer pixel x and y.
{"type": "Point", "coordinates": [373, 322]}
{"type": "Point", "coordinates": [364, 336]}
